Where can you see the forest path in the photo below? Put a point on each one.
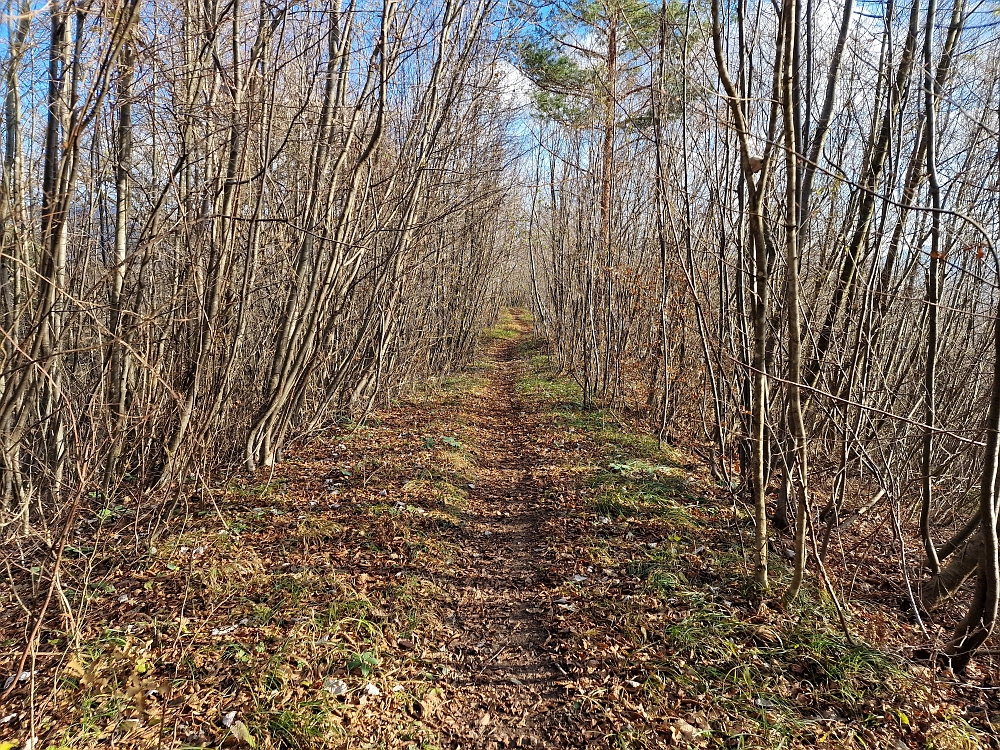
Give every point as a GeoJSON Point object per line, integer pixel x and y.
{"type": "Point", "coordinates": [483, 564]}
{"type": "Point", "coordinates": [504, 680]}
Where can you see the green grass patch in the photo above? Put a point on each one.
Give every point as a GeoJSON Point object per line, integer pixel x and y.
{"type": "Point", "coordinates": [619, 443]}
{"type": "Point", "coordinates": [532, 346]}
{"type": "Point", "coordinates": [507, 326]}
{"type": "Point", "coordinates": [309, 724]}
{"type": "Point", "coordinates": [955, 734]}
{"type": "Point", "coordinates": [636, 489]}
{"type": "Point", "coordinates": [543, 383]}
{"type": "Point", "coordinates": [655, 499]}
{"type": "Point", "coordinates": [849, 672]}
{"type": "Point", "coordinates": [777, 679]}
{"type": "Point", "coordinates": [550, 388]}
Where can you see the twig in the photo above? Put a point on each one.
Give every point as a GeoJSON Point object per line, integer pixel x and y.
{"type": "Point", "coordinates": [826, 578]}
{"type": "Point", "coordinates": [487, 662]}
{"type": "Point", "coordinates": [906, 575]}
{"type": "Point", "coordinates": [36, 629]}
{"type": "Point", "coordinates": [13, 588]}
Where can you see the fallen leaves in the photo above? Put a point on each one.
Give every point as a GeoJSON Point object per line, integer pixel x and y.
{"type": "Point", "coordinates": [519, 572]}
{"type": "Point", "coordinates": [242, 733]}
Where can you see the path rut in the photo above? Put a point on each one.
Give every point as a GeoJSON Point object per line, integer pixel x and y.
{"type": "Point", "coordinates": [506, 687]}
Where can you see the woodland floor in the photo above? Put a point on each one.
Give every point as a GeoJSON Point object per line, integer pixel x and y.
{"type": "Point", "coordinates": [485, 565]}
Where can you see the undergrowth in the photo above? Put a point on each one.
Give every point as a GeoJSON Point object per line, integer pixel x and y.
{"type": "Point", "coordinates": [727, 669]}
{"type": "Point", "coordinates": [300, 609]}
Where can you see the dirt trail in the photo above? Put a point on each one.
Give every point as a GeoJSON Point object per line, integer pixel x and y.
{"type": "Point", "coordinates": [505, 686]}
{"type": "Point", "coordinates": [483, 566]}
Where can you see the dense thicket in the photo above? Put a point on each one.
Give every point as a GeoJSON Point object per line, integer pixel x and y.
{"type": "Point", "coordinates": [227, 224]}
{"type": "Point", "coordinates": [777, 221]}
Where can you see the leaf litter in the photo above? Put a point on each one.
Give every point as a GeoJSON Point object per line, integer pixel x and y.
{"type": "Point", "coordinates": [484, 565]}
